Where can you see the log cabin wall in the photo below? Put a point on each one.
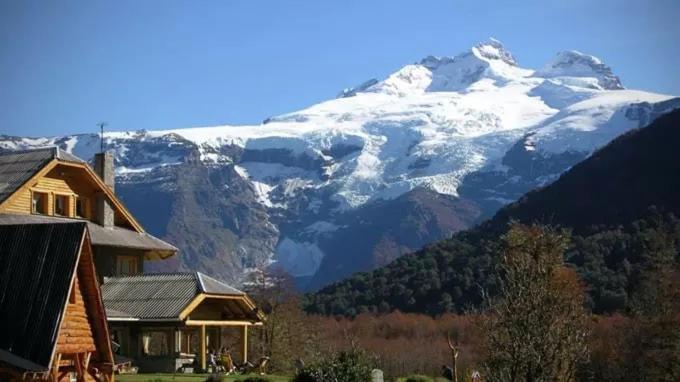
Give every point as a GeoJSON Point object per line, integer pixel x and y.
{"type": "Point", "coordinates": [83, 330]}
{"type": "Point", "coordinates": [70, 182]}
{"type": "Point", "coordinates": [93, 301]}
{"type": "Point", "coordinates": [76, 334]}
{"type": "Point", "coordinates": [61, 180]}
{"type": "Point", "coordinates": [21, 204]}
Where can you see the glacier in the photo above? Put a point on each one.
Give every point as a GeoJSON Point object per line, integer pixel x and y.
{"type": "Point", "coordinates": [466, 126]}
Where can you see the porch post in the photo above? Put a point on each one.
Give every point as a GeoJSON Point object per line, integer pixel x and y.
{"type": "Point", "coordinates": [178, 341]}
{"type": "Point", "coordinates": [244, 343]}
{"type": "Point", "coordinates": [203, 364]}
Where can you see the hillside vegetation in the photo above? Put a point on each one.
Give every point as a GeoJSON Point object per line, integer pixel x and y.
{"type": "Point", "coordinates": [621, 205]}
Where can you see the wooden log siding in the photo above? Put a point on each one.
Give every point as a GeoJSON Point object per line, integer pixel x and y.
{"type": "Point", "coordinates": [76, 335]}
{"type": "Point", "coordinates": [82, 342]}
{"type": "Point", "coordinates": [92, 298]}
{"type": "Point", "coordinates": [83, 336]}
{"type": "Point", "coordinates": [21, 204]}
{"type": "Point", "coordinates": [71, 180]}
{"type": "Point", "coordinates": [51, 185]}
{"type": "Point", "coordinates": [83, 324]}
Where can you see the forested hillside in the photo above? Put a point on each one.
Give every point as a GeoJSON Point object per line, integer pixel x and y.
{"type": "Point", "coordinates": [621, 204]}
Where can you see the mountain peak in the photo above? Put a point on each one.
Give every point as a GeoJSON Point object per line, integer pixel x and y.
{"type": "Point", "coordinates": [490, 50]}
{"type": "Point", "coordinates": [493, 49]}
{"type": "Point", "coordinates": [573, 63]}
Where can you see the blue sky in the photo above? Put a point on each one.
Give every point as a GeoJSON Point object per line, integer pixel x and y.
{"type": "Point", "coordinates": [66, 65]}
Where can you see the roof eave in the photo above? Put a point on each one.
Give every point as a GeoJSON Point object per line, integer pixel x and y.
{"type": "Point", "coordinates": [139, 319]}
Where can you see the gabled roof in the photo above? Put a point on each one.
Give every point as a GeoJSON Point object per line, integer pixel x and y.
{"type": "Point", "coordinates": [162, 296]}
{"type": "Point", "coordinates": [37, 264]}
{"type": "Point", "coordinates": [153, 296]}
{"type": "Point", "coordinates": [22, 166]}
{"type": "Point", "coordinates": [212, 286]}
{"type": "Point", "coordinates": [17, 167]}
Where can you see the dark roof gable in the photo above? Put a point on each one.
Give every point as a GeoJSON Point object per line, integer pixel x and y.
{"type": "Point", "coordinates": [37, 263]}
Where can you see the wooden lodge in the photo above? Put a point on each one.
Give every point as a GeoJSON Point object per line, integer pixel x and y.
{"type": "Point", "coordinates": [196, 314]}
{"type": "Point", "coordinates": [50, 185]}
{"type": "Point", "coordinates": [53, 321]}
{"type": "Point", "coordinates": [157, 329]}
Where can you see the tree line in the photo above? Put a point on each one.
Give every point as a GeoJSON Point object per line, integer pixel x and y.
{"type": "Point", "coordinates": [453, 275]}
{"type": "Point", "coordinates": [536, 325]}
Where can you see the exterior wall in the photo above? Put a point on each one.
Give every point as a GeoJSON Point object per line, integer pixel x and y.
{"type": "Point", "coordinates": [129, 335]}
{"type": "Point", "coordinates": [84, 328]}
{"type": "Point", "coordinates": [68, 181]}
{"type": "Point", "coordinates": [106, 258]}
{"type": "Point", "coordinates": [76, 334]}
{"type": "Point", "coordinates": [104, 262]}
{"type": "Point", "coordinates": [61, 180]}
{"type": "Point", "coordinates": [21, 205]}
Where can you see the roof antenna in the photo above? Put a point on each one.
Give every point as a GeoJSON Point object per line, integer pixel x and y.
{"type": "Point", "coordinates": [101, 140]}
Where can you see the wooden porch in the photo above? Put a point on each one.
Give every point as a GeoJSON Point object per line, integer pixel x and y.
{"type": "Point", "coordinates": [167, 347]}
{"type": "Point", "coordinates": [170, 323]}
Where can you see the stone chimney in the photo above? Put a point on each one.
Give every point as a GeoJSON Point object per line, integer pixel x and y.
{"type": "Point", "coordinates": [104, 167]}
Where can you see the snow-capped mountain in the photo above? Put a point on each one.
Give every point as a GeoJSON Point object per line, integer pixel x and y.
{"type": "Point", "coordinates": [386, 167]}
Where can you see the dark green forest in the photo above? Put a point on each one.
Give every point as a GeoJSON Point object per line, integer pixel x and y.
{"type": "Point", "coordinates": [621, 206]}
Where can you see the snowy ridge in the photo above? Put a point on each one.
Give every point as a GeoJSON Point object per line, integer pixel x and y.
{"type": "Point", "coordinates": [572, 64]}
{"type": "Point", "coordinates": [431, 124]}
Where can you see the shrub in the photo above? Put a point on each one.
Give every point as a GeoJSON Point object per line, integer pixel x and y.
{"type": "Point", "coordinates": [345, 366]}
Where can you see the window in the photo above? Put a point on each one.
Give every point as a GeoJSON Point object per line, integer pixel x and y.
{"type": "Point", "coordinates": [119, 341]}
{"type": "Point", "coordinates": [39, 203]}
{"type": "Point", "coordinates": [61, 205]}
{"type": "Point", "coordinates": [81, 207]}
{"type": "Point", "coordinates": [155, 343]}
{"type": "Point", "coordinates": [127, 265]}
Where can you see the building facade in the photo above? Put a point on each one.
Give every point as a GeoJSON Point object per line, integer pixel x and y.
{"type": "Point", "coordinates": [50, 186]}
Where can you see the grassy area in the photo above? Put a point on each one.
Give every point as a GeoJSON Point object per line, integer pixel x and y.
{"type": "Point", "coordinates": [188, 378]}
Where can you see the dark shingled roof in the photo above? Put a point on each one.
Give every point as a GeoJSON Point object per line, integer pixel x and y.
{"type": "Point", "coordinates": [158, 296]}
{"type": "Point", "coordinates": [99, 235]}
{"type": "Point", "coordinates": [17, 167]}
{"type": "Point", "coordinates": [37, 263]}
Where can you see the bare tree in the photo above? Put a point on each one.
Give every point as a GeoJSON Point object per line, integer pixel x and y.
{"type": "Point", "coordinates": [536, 329]}
{"type": "Point", "coordinates": [455, 350]}
{"type": "Point", "coordinates": [286, 334]}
